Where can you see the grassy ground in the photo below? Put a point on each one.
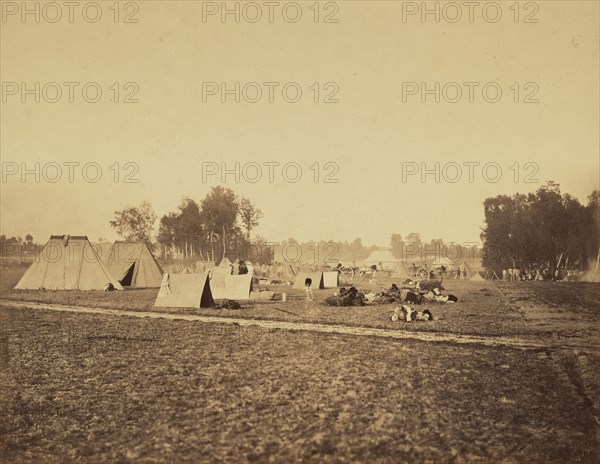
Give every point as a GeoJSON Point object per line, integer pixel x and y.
{"type": "Point", "coordinates": [546, 310]}
{"type": "Point", "coordinates": [94, 388]}
{"type": "Point", "coordinates": [83, 388]}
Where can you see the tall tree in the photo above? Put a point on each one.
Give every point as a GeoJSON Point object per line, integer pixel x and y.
{"type": "Point", "coordinates": [249, 215]}
{"type": "Point", "coordinates": [397, 245]}
{"type": "Point", "coordinates": [135, 223]}
{"type": "Point", "coordinates": [219, 212]}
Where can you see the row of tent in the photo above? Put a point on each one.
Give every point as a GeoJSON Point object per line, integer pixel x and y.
{"type": "Point", "coordinates": [401, 272]}
{"type": "Point", "coordinates": [387, 259]}
{"type": "Point", "coordinates": [73, 263]}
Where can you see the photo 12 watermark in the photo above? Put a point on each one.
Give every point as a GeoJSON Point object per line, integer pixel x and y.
{"type": "Point", "coordinates": [469, 92]}
{"type": "Point", "coordinates": [69, 92]}
{"type": "Point", "coordinates": [467, 171]}
{"type": "Point", "coordinates": [270, 172]}
{"type": "Point", "coordinates": [53, 172]}
{"type": "Point", "coordinates": [271, 12]}
{"type": "Point", "coordinates": [270, 92]}
{"type": "Point", "coordinates": [450, 12]}
{"type": "Point", "coordinates": [28, 12]}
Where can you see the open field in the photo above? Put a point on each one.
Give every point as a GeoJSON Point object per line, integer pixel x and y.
{"type": "Point", "coordinates": [98, 388]}
{"type": "Point", "coordinates": [528, 310]}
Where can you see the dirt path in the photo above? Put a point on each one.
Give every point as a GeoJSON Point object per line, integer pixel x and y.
{"type": "Point", "coordinates": [517, 341]}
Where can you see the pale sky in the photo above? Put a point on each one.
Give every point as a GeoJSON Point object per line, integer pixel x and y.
{"type": "Point", "coordinates": [368, 134]}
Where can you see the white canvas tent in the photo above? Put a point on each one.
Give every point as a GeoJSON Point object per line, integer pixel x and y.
{"type": "Point", "coordinates": [226, 264]}
{"type": "Point", "coordinates": [472, 274]}
{"type": "Point", "coordinates": [134, 265]}
{"type": "Point", "coordinates": [469, 269]}
{"type": "Point", "coordinates": [443, 261]}
{"type": "Point", "coordinates": [400, 272]}
{"type": "Point", "coordinates": [68, 263]}
{"type": "Point", "coordinates": [231, 287]}
{"type": "Point", "coordinates": [185, 291]}
{"type": "Point", "coordinates": [316, 277]}
{"type": "Point", "coordinates": [330, 279]}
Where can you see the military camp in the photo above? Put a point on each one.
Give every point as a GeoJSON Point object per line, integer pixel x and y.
{"type": "Point", "coordinates": [300, 232]}
{"type": "Point", "coordinates": [398, 322]}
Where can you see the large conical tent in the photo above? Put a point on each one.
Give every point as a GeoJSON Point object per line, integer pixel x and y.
{"type": "Point", "coordinates": [134, 265]}
{"type": "Point", "coordinates": [471, 273]}
{"type": "Point", "coordinates": [68, 263]}
{"type": "Point", "coordinates": [400, 271]}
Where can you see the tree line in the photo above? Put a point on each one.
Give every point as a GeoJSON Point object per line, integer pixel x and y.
{"type": "Point", "coordinates": [543, 229]}
{"type": "Point", "coordinates": [206, 229]}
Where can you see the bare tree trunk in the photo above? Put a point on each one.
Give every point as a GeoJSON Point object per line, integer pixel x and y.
{"type": "Point", "coordinates": [559, 260]}
{"type": "Point", "coordinates": [223, 243]}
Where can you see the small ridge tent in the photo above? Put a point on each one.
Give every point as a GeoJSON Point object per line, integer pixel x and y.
{"type": "Point", "coordinates": [68, 263]}
{"type": "Point", "coordinates": [134, 265]}
{"type": "Point", "coordinates": [231, 287]}
{"type": "Point", "coordinates": [185, 291]}
{"type": "Point", "coordinates": [316, 277]}
{"type": "Point", "coordinates": [330, 279]}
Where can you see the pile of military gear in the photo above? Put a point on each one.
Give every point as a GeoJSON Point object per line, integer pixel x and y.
{"type": "Point", "coordinates": [407, 314]}
{"type": "Point", "coordinates": [227, 304]}
{"type": "Point", "coordinates": [346, 297]}
{"type": "Point", "coordinates": [435, 295]}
